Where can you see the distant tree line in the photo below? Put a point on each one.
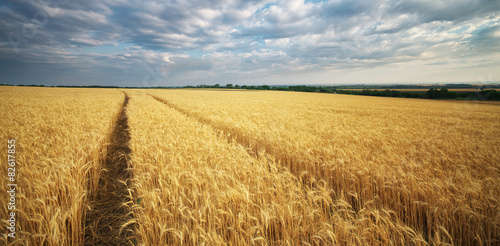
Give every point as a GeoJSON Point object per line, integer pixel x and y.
{"type": "Point", "coordinates": [231, 86]}
{"type": "Point", "coordinates": [432, 93]}
{"type": "Point", "coordinates": [32, 85]}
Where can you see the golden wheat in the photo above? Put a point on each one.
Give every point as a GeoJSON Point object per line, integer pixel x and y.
{"type": "Point", "coordinates": [253, 167]}
{"type": "Point", "coordinates": [434, 164]}
{"type": "Point", "coordinates": [194, 187]}
{"type": "Point", "coordinates": [61, 136]}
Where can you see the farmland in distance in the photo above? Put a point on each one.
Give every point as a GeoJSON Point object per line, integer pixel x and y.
{"type": "Point", "coordinates": [245, 167]}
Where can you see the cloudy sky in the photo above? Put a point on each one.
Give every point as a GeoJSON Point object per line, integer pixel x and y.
{"type": "Point", "coordinates": [170, 43]}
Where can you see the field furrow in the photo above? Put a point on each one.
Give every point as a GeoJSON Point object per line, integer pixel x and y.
{"type": "Point", "coordinates": [106, 221]}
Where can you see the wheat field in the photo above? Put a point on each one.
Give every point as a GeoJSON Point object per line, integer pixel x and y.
{"type": "Point", "coordinates": [435, 164]}
{"type": "Point", "coordinates": [194, 187]}
{"type": "Point", "coordinates": [60, 136]}
{"type": "Point", "coordinates": [238, 167]}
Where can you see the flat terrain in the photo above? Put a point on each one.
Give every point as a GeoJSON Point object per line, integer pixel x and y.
{"type": "Point", "coordinates": [425, 90]}
{"type": "Point", "coordinates": [215, 167]}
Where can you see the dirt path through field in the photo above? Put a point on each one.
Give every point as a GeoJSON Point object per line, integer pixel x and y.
{"type": "Point", "coordinates": [109, 211]}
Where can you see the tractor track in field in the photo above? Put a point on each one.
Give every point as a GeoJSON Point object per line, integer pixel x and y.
{"type": "Point", "coordinates": [251, 150]}
{"type": "Point", "coordinates": [251, 146]}
{"type": "Point", "coordinates": [108, 204]}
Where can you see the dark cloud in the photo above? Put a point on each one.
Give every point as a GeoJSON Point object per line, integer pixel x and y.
{"type": "Point", "coordinates": [488, 39]}
{"type": "Point", "coordinates": [446, 10]}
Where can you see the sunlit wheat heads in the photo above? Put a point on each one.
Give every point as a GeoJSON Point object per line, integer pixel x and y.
{"type": "Point", "coordinates": [61, 135]}
{"type": "Point", "coordinates": [431, 164]}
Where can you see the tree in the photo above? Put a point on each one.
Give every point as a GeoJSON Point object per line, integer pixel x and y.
{"type": "Point", "coordinates": [443, 94]}
{"type": "Point", "coordinates": [432, 93]}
